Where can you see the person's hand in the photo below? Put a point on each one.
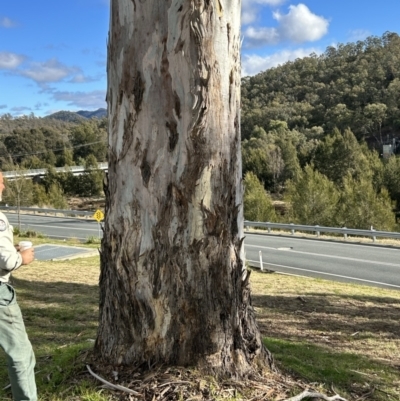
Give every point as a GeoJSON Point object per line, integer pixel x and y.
{"type": "Point", "coordinates": [27, 256]}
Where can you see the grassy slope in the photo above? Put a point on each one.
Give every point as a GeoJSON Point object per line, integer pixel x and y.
{"type": "Point", "coordinates": [333, 333]}
{"type": "Point", "coordinates": [319, 331]}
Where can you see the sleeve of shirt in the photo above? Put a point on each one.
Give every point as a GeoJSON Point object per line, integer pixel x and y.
{"type": "Point", "coordinates": [10, 259]}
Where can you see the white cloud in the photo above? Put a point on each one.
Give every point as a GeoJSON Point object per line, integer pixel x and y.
{"type": "Point", "coordinates": [7, 23]}
{"type": "Point", "coordinates": [301, 25]}
{"type": "Point", "coordinates": [10, 61]}
{"type": "Point", "coordinates": [298, 25]}
{"type": "Point", "coordinates": [261, 36]}
{"type": "Point", "coordinates": [81, 78]}
{"type": "Point", "coordinates": [3, 106]}
{"type": "Point", "coordinates": [20, 109]}
{"type": "Point", "coordinates": [94, 99]}
{"type": "Point", "coordinates": [44, 72]}
{"type": "Point", "coordinates": [251, 8]}
{"type": "Point", "coordinates": [253, 64]}
{"type": "Point", "coordinates": [248, 16]}
{"type": "Point", "coordinates": [49, 71]}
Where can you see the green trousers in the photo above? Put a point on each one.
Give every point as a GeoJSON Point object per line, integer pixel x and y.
{"type": "Point", "coordinates": [16, 345]}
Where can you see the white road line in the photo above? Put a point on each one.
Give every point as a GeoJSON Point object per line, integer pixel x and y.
{"type": "Point", "coordinates": [326, 256]}
{"type": "Point", "coordinates": [331, 242]}
{"type": "Point", "coordinates": [65, 236]}
{"type": "Point", "coordinates": [62, 227]}
{"type": "Point", "coordinates": [327, 274]}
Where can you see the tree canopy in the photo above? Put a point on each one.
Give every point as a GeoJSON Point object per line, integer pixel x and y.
{"type": "Point", "coordinates": [353, 85]}
{"type": "Point", "coordinates": [314, 128]}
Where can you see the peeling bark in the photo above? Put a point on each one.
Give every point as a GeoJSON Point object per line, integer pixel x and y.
{"type": "Point", "coordinates": [173, 286]}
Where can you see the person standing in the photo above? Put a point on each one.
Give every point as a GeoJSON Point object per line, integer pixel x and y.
{"type": "Point", "coordinates": [13, 337]}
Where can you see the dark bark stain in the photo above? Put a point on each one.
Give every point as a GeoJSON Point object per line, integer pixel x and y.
{"type": "Point", "coordinates": [127, 138]}
{"type": "Point", "coordinates": [154, 266]}
{"type": "Point", "coordinates": [109, 100]}
{"type": "Point", "coordinates": [231, 81]}
{"type": "Point", "coordinates": [214, 224]}
{"type": "Point", "coordinates": [172, 101]}
{"type": "Point", "coordinates": [146, 170]}
{"type": "Point", "coordinates": [177, 105]}
{"type": "Point", "coordinates": [173, 134]}
{"type": "Point", "coordinates": [114, 36]}
{"type": "Point", "coordinates": [165, 63]}
{"type": "Point", "coordinates": [137, 146]}
{"type": "Point", "coordinates": [179, 46]}
{"type": "Point", "coordinates": [138, 90]}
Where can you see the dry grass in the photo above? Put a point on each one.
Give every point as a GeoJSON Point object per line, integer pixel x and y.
{"type": "Point", "coordinates": [354, 328]}
{"type": "Point", "coordinates": [321, 332]}
{"type": "Point", "coordinates": [348, 318]}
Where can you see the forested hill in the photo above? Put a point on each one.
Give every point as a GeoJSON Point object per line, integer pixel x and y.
{"type": "Point", "coordinates": [61, 121]}
{"type": "Point", "coordinates": [353, 85]}
{"type": "Point", "coordinates": [313, 135]}
{"type": "Point", "coordinates": [78, 116]}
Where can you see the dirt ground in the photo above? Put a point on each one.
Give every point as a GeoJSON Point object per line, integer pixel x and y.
{"type": "Point", "coordinates": [347, 318]}
{"type": "Point", "coordinates": [86, 203]}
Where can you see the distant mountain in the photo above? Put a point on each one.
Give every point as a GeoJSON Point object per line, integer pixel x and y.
{"type": "Point", "coordinates": [99, 113]}
{"type": "Point", "coordinates": [67, 116]}
{"type": "Point", "coordinates": [79, 116]}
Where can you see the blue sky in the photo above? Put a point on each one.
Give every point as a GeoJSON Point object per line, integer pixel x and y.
{"type": "Point", "coordinates": [53, 52]}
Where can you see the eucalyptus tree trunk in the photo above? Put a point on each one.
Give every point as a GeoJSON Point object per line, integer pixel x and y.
{"type": "Point", "coordinates": [173, 287]}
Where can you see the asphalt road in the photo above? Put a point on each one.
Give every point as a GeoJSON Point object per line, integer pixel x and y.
{"type": "Point", "coordinates": [57, 227]}
{"type": "Point", "coordinates": [347, 262]}
{"type": "Point", "coordinates": [355, 263]}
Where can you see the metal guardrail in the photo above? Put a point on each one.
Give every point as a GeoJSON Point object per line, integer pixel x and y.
{"type": "Point", "coordinates": [317, 230]}
{"type": "Point", "coordinates": [43, 171]}
{"type": "Point", "coordinates": [55, 212]}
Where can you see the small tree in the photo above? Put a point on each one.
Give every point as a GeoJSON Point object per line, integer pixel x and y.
{"type": "Point", "coordinates": [375, 114]}
{"type": "Point", "coordinates": [340, 154]}
{"type": "Point", "coordinates": [361, 207]}
{"type": "Point", "coordinates": [257, 202]}
{"type": "Point", "coordinates": [56, 197]}
{"type": "Point", "coordinates": [88, 138]}
{"type": "Point", "coordinates": [392, 178]}
{"type": "Point", "coordinates": [19, 191]}
{"type": "Point", "coordinates": [66, 158]}
{"type": "Point", "coordinates": [39, 195]}
{"type": "Point", "coordinates": [313, 198]}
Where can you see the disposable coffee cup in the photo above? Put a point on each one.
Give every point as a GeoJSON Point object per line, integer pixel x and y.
{"type": "Point", "coordinates": [23, 245]}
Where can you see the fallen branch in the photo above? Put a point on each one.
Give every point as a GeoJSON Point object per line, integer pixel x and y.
{"type": "Point", "coordinates": [114, 386]}
{"type": "Point", "coordinates": [310, 394]}
{"type": "Point", "coordinates": [176, 382]}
